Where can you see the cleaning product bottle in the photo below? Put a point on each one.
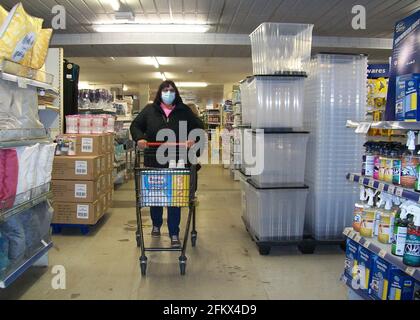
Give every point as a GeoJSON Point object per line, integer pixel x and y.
{"type": "Point", "coordinates": [358, 209]}
{"type": "Point", "coordinates": [382, 163]}
{"type": "Point", "coordinates": [368, 218]}
{"type": "Point", "coordinates": [396, 178]}
{"type": "Point", "coordinates": [376, 161]}
{"type": "Point", "coordinates": [386, 222]}
{"type": "Point", "coordinates": [389, 166]}
{"type": "Point", "coordinates": [412, 242]}
{"type": "Point", "coordinates": [400, 229]}
{"type": "Point", "coordinates": [368, 160]}
{"type": "Point", "coordinates": [377, 217]}
{"type": "Point", "coordinates": [409, 163]}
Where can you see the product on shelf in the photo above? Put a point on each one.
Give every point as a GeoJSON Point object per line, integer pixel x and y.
{"type": "Point", "coordinates": [400, 227]}
{"type": "Point", "coordinates": [412, 242]}
{"type": "Point", "coordinates": [88, 124]}
{"type": "Point", "coordinates": [407, 104]}
{"type": "Point", "coordinates": [18, 28]}
{"type": "Point", "coordinates": [350, 264]}
{"type": "Point", "coordinates": [409, 170]}
{"type": "Point", "coordinates": [381, 274]}
{"type": "Point", "coordinates": [365, 260]}
{"type": "Point", "coordinates": [95, 99]}
{"type": "Point", "coordinates": [359, 209]}
{"type": "Point", "coordinates": [280, 47]}
{"type": "Point", "coordinates": [401, 286]}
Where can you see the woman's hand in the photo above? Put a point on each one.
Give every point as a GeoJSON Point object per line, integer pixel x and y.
{"type": "Point", "coordinates": [190, 143]}
{"type": "Point", "coordinates": [142, 144]}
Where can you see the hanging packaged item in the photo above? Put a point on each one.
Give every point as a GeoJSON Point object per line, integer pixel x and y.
{"type": "Point", "coordinates": [18, 34]}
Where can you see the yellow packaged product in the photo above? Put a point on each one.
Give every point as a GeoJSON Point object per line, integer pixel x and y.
{"type": "Point", "coordinates": [18, 34]}
{"type": "Point", "coordinates": [35, 58]}
{"type": "Point", "coordinates": [3, 15]}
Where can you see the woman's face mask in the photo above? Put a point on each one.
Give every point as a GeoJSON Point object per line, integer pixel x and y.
{"type": "Point", "coordinates": [168, 96]}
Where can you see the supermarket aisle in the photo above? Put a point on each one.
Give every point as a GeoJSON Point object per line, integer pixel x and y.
{"type": "Point", "coordinates": [225, 265]}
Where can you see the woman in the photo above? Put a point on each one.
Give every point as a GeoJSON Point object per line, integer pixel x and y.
{"type": "Point", "coordinates": [166, 112]}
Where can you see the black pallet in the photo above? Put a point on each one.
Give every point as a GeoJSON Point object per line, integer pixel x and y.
{"type": "Point", "coordinates": [307, 245]}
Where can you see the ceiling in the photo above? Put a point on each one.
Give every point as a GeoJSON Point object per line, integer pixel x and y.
{"type": "Point", "coordinates": [330, 17]}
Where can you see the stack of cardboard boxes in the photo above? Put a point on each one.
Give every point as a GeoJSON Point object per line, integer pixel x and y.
{"type": "Point", "coordinates": [82, 184]}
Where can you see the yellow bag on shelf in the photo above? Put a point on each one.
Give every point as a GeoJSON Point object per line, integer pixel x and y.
{"type": "Point", "coordinates": [3, 15]}
{"type": "Point", "coordinates": [35, 58]}
{"type": "Point", "coordinates": [18, 34]}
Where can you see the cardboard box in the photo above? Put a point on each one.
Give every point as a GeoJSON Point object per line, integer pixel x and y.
{"type": "Point", "coordinates": [76, 168]}
{"type": "Point", "coordinates": [352, 252]}
{"type": "Point", "coordinates": [76, 213]}
{"type": "Point", "coordinates": [379, 282]}
{"type": "Point", "coordinates": [401, 286]}
{"type": "Point", "coordinates": [365, 261]}
{"type": "Point", "coordinates": [76, 191]}
{"type": "Point", "coordinates": [89, 144]}
{"type": "Point", "coordinates": [109, 198]}
{"type": "Point", "coordinates": [103, 163]}
{"type": "Point", "coordinates": [110, 162]}
{"type": "Point", "coordinates": [109, 142]}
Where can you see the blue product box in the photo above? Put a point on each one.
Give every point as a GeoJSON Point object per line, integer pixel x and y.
{"type": "Point", "coordinates": [365, 261]}
{"type": "Point", "coordinates": [407, 104]}
{"type": "Point", "coordinates": [352, 251]}
{"type": "Point", "coordinates": [156, 189]}
{"type": "Point", "coordinates": [379, 281]}
{"type": "Point", "coordinates": [401, 286]}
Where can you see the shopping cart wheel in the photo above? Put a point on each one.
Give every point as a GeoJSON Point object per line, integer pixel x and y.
{"type": "Point", "coordinates": [143, 265]}
{"type": "Point", "coordinates": [138, 238]}
{"type": "Point", "coordinates": [193, 238]}
{"type": "Point", "coordinates": [182, 264]}
{"type": "Point", "coordinates": [264, 250]}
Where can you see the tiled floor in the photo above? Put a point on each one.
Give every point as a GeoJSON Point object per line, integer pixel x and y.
{"type": "Point", "coordinates": [224, 265]}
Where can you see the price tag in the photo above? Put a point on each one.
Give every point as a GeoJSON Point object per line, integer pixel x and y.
{"type": "Point", "coordinates": [391, 189]}
{"type": "Point", "coordinates": [357, 238]}
{"type": "Point", "coordinates": [22, 83]}
{"type": "Point", "coordinates": [381, 186]}
{"type": "Point", "coordinates": [351, 178]}
{"type": "Point", "coordinates": [361, 180]}
{"type": "Point", "coordinates": [367, 244]}
{"type": "Point", "coordinates": [382, 253]}
{"type": "Point", "coordinates": [347, 231]}
{"type": "Point", "coordinates": [410, 271]}
{"type": "Point", "coordinates": [363, 127]}
{"type": "Point", "coordinates": [351, 234]}
{"type": "Point", "coordinates": [399, 192]}
{"type": "Point", "coordinates": [42, 107]}
{"type": "Point", "coordinates": [371, 183]}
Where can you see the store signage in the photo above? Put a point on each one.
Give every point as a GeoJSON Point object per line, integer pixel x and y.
{"type": "Point", "coordinates": [378, 71]}
{"type": "Point", "coordinates": [405, 58]}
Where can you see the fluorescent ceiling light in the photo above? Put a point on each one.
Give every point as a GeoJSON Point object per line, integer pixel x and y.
{"type": "Point", "coordinates": [162, 74]}
{"type": "Point", "coordinates": [115, 4]}
{"type": "Point", "coordinates": [155, 62]}
{"type": "Point", "coordinates": [136, 27]}
{"type": "Point", "coordinates": [192, 84]}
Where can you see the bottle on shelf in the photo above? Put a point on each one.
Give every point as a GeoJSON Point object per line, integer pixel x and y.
{"type": "Point", "coordinates": [358, 209]}
{"type": "Point", "coordinates": [400, 228]}
{"type": "Point", "coordinates": [367, 226]}
{"type": "Point", "coordinates": [412, 242]}
{"type": "Point", "coordinates": [386, 222]}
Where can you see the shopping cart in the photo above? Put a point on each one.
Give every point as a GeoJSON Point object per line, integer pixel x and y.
{"type": "Point", "coordinates": [164, 187]}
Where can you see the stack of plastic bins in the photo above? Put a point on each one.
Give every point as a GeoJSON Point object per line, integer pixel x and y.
{"type": "Point", "coordinates": [280, 48]}
{"type": "Point", "coordinates": [245, 102]}
{"type": "Point", "coordinates": [276, 195]}
{"type": "Point", "coordinates": [334, 92]}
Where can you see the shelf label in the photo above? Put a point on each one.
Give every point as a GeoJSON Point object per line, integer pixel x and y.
{"type": "Point", "coordinates": [382, 253]}
{"type": "Point", "coordinates": [399, 192]}
{"type": "Point", "coordinates": [367, 244]}
{"type": "Point", "coordinates": [80, 191]}
{"type": "Point", "coordinates": [391, 189]}
{"type": "Point", "coordinates": [82, 211]}
{"type": "Point", "coordinates": [42, 107]}
{"type": "Point", "coordinates": [381, 186]}
{"type": "Point", "coordinates": [22, 82]}
{"type": "Point", "coordinates": [357, 238]}
{"type": "Point", "coordinates": [371, 183]}
{"type": "Point", "coordinates": [410, 271]}
{"type": "Point", "coordinates": [87, 144]}
{"type": "Point", "coordinates": [363, 127]}
{"type": "Point", "coordinates": [361, 180]}
{"type": "Point", "coordinates": [347, 231]}
{"type": "Point", "coordinates": [81, 168]}
{"type": "Point", "coordinates": [351, 234]}
{"type": "Point", "coordinates": [351, 178]}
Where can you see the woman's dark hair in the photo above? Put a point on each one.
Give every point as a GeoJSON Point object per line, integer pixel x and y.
{"type": "Point", "coordinates": [163, 85]}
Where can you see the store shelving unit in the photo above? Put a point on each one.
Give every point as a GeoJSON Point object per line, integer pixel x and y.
{"type": "Point", "coordinates": [361, 293]}
{"type": "Point", "coordinates": [25, 77]}
{"type": "Point", "coordinates": [384, 186]}
{"type": "Point", "coordinates": [389, 125]}
{"type": "Point", "coordinates": [383, 251]}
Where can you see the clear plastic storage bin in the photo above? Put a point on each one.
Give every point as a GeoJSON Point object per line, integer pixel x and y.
{"type": "Point", "coordinates": [281, 47]}
{"type": "Point", "coordinates": [275, 101]}
{"type": "Point", "coordinates": [275, 214]}
{"type": "Point", "coordinates": [245, 102]}
{"type": "Point", "coordinates": [284, 158]}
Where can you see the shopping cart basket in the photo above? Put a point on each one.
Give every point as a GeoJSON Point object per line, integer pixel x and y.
{"type": "Point", "coordinates": [164, 187]}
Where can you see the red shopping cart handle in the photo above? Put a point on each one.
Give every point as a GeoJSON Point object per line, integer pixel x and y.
{"type": "Point", "coordinates": [158, 144]}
